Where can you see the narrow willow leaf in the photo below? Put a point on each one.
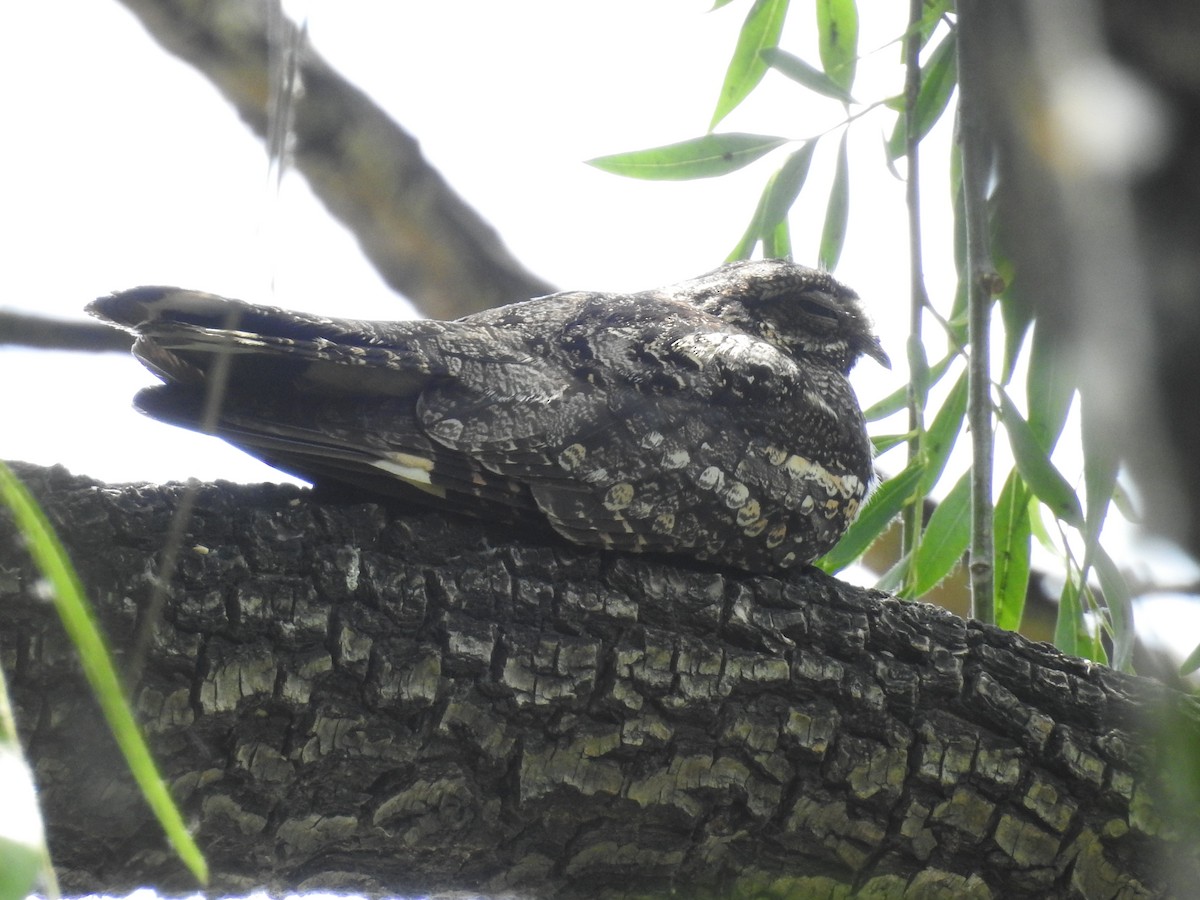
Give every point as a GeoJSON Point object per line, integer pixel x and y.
{"type": "Point", "coordinates": [779, 193]}
{"type": "Point", "coordinates": [1016, 309]}
{"type": "Point", "coordinates": [1125, 505]}
{"type": "Point", "coordinates": [837, 27]}
{"type": "Point", "coordinates": [777, 244]}
{"type": "Point", "coordinates": [785, 187]}
{"type": "Point", "coordinates": [1192, 663]}
{"type": "Point", "coordinates": [759, 32]}
{"type": "Point", "coordinates": [1093, 638]}
{"type": "Point", "coordinates": [719, 3]}
{"type": "Point", "coordinates": [898, 399]}
{"type": "Point", "coordinates": [878, 512]}
{"type": "Point", "coordinates": [1037, 525]}
{"type": "Point", "coordinates": [884, 442]}
{"type": "Point", "coordinates": [1012, 531]}
{"type": "Point", "coordinates": [80, 624]}
{"type": "Point", "coordinates": [1035, 467]}
{"type": "Point", "coordinates": [802, 73]}
{"type": "Point", "coordinates": [1100, 465]}
{"type": "Point", "coordinates": [893, 579]}
{"type": "Point", "coordinates": [939, 75]}
{"type": "Point", "coordinates": [918, 371]}
{"type": "Point", "coordinates": [1069, 636]}
{"type": "Point", "coordinates": [946, 537]}
{"type": "Point", "coordinates": [943, 432]}
{"type": "Point", "coordinates": [932, 16]}
{"type": "Point", "coordinates": [1050, 387]}
{"type": "Point", "coordinates": [1119, 600]}
{"type": "Point", "coordinates": [702, 157]}
{"type": "Point", "coordinates": [745, 245]}
{"type": "Point", "coordinates": [837, 213]}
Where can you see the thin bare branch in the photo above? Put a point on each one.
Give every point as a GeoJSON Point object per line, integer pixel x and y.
{"type": "Point", "coordinates": [976, 151]}
{"type": "Point", "coordinates": [23, 329]}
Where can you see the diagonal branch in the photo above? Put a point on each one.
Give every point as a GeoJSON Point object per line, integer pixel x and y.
{"type": "Point", "coordinates": [423, 238]}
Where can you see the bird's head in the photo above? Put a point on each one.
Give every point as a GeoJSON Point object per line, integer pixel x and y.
{"type": "Point", "coordinates": [804, 312]}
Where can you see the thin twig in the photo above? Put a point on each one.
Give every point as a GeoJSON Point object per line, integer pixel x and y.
{"type": "Point", "coordinates": [23, 329]}
{"type": "Point", "coordinates": [976, 148]}
{"type": "Point", "coordinates": [918, 298]}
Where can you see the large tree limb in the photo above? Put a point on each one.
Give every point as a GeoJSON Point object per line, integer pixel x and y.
{"type": "Point", "coordinates": [384, 701]}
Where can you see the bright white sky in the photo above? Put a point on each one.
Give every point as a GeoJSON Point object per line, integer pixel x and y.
{"type": "Point", "coordinates": [124, 167]}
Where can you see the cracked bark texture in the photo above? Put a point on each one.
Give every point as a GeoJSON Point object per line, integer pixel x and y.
{"type": "Point", "coordinates": [385, 700]}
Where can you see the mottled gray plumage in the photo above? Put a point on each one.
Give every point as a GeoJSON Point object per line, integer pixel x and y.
{"type": "Point", "coordinates": [711, 418]}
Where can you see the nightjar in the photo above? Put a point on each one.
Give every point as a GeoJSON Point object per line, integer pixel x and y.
{"type": "Point", "coordinates": [711, 418]}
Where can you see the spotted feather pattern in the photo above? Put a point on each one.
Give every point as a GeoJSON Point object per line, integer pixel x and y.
{"type": "Point", "coordinates": [711, 418]}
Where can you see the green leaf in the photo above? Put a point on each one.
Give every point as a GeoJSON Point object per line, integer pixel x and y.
{"type": "Point", "coordinates": [1050, 387]}
{"type": "Point", "coordinates": [785, 186]}
{"type": "Point", "coordinates": [719, 3]}
{"type": "Point", "coordinates": [759, 32]}
{"type": "Point", "coordinates": [1119, 600]}
{"type": "Point", "coordinates": [1125, 505]}
{"type": "Point", "coordinates": [918, 372]}
{"type": "Point", "coordinates": [837, 26]}
{"type": "Point", "coordinates": [1016, 309]}
{"type": "Point", "coordinates": [898, 399]}
{"type": "Point", "coordinates": [779, 193]}
{"type": "Point", "coordinates": [1069, 634]}
{"type": "Point", "coordinates": [702, 157]}
{"type": "Point", "coordinates": [893, 579]}
{"type": "Point", "coordinates": [946, 537]}
{"type": "Point", "coordinates": [750, 237]}
{"type": "Point", "coordinates": [802, 73]}
{"type": "Point", "coordinates": [941, 435]}
{"type": "Point", "coordinates": [884, 442]}
{"type": "Point", "coordinates": [939, 75]}
{"type": "Point", "coordinates": [837, 213]}
{"type": "Point", "coordinates": [877, 513]}
{"type": "Point", "coordinates": [1012, 529]}
{"type": "Point", "coordinates": [1192, 663]}
{"type": "Point", "coordinates": [81, 628]}
{"type": "Point", "coordinates": [1100, 463]}
{"type": "Point", "coordinates": [1039, 473]}
{"type": "Point", "coordinates": [778, 243]}
{"type": "Point", "coordinates": [932, 16]}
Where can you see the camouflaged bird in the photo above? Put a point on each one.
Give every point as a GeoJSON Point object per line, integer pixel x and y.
{"type": "Point", "coordinates": [710, 419]}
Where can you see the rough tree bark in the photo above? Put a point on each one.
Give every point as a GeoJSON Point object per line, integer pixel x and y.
{"type": "Point", "coordinates": [347, 696]}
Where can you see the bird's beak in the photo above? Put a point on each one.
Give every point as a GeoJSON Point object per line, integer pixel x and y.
{"type": "Point", "coordinates": [875, 350]}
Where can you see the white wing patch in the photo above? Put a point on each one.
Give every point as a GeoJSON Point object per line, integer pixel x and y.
{"type": "Point", "coordinates": [413, 469]}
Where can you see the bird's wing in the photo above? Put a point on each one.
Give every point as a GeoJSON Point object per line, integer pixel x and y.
{"type": "Point", "coordinates": [697, 443]}
{"type": "Point", "coordinates": [328, 400]}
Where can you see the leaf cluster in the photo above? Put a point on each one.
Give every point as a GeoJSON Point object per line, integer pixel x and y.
{"type": "Point", "coordinates": [1036, 500]}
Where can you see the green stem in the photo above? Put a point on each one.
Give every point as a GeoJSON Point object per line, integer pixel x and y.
{"type": "Point", "coordinates": [918, 299]}
{"type": "Point", "coordinates": [976, 148]}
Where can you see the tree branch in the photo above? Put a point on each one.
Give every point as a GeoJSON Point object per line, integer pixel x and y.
{"type": "Point", "coordinates": [423, 238]}
{"type": "Point", "coordinates": [977, 156]}
{"type": "Point", "coordinates": [351, 697]}
{"type": "Point", "coordinates": [20, 329]}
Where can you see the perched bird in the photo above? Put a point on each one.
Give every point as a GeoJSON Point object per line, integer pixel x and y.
{"type": "Point", "coordinates": [711, 419]}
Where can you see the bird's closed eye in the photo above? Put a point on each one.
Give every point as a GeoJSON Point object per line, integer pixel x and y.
{"type": "Point", "coordinates": [818, 306]}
